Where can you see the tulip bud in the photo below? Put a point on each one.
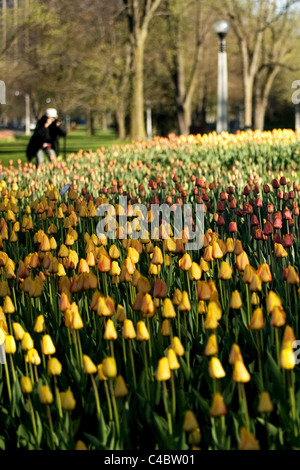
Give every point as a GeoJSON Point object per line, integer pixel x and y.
{"type": "Point", "coordinates": [80, 445]}
{"type": "Point", "coordinates": [54, 366]}
{"type": "Point", "coordinates": [272, 300]}
{"type": "Point", "coordinates": [235, 354]}
{"type": "Point", "coordinates": [88, 365]}
{"type": "Point", "coordinates": [215, 368]}
{"type": "Point", "coordinates": [157, 257]}
{"type": "Point", "coordinates": [33, 357]}
{"type": "Point", "coordinates": [185, 304]}
{"type": "Point", "coordinates": [142, 333]}
{"type": "Point", "coordinates": [242, 261]}
{"type": "Point", "coordinates": [109, 367]}
{"type": "Point", "coordinates": [128, 331]}
{"type": "Point", "coordinates": [27, 342]}
{"type": "Point", "coordinates": [218, 407]}
{"type": "Point", "coordinates": [279, 251]}
{"type": "Point", "coordinates": [121, 389]}
{"type": "Point", "coordinates": [185, 263]}
{"type": "Point", "coordinates": [10, 344]}
{"type": "Point", "coordinates": [168, 309]}
{"type": "Point", "coordinates": [110, 331]}
{"type": "Point", "coordinates": [204, 290]}
{"type": "Point", "coordinates": [120, 314]}
{"type": "Point", "coordinates": [47, 345]}
{"type": "Point", "coordinates": [257, 320]}
{"type": "Point", "coordinates": [8, 306]}
{"type": "Point", "coordinates": [163, 370]}
{"type": "Point", "coordinates": [26, 384]}
{"type": "Point", "coordinates": [39, 326]}
{"type": "Point", "coordinates": [211, 321]}
{"type": "Point", "coordinates": [172, 358]}
{"type": "Point", "coordinates": [236, 301]}
{"type": "Point", "coordinates": [254, 299]}
{"type": "Point", "coordinates": [160, 289]}
{"type": "Point", "coordinates": [265, 405]}
{"type": "Point", "coordinates": [287, 358]}
{"type": "Point", "coordinates": [240, 373]}
{"type": "Point", "coordinates": [190, 422]}
{"type": "Point", "coordinates": [217, 253]}
{"type": "Point", "coordinates": [68, 401]}
{"type": "Point", "coordinates": [165, 328]}
{"type": "Point", "coordinates": [177, 297]}
{"type": "Point", "coordinates": [238, 247]}
{"type": "Point", "coordinates": [292, 276]}
{"type": "Point", "coordinates": [211, 348]}
{"type": "Point", "coordinates": [248, 441]}
{"type": "Point", "coordinates": [288, 337]}
{"type": "Point", "coordinates": [264, 273]}
{"type": "Point", "coordinates": [278, 317]}
{"type": "Point", "coordinates": [177, 346]}
{"type": "Point", "coordinates": [194, 437]}
{"type": "Point", "coordinates": [45, 395]}
{"type": "Point", "coordinates": [225, 271]}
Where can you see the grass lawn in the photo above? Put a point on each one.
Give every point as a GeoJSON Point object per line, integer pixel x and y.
{"type": "Point", "coordinates": [75, 140]}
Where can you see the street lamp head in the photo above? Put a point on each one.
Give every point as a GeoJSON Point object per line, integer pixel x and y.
{"type": "Point", "coordinates": [221, 27]}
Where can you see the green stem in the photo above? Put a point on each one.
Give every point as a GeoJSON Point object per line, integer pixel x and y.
{"type": "Point", "coordinates": [173, 395]}
{"type": "Point", "coordinates": [12, 367]}
{"type": "Point", "coordinates": [146, 370]}
{"type": "Point", "coordinates": [32, 417]}
{"type": "Point", "coordinates": [115, 408]}
{"type": "Point", "coordinates": [132, 363]}
{"type": "Point", "coordinates": [165, 398]}
{"type": "Point", "coordinates": [291, 387]}
{"type": "Point", "coordinates": [7, 380]}
{"type": "Point", "coordinates": [259, 360]}
{"type": "Point", "coordinates": [51, 426]}
{"type": "Point", "coordinates": [108, 401]}
{"type": "Point", "coordinates": [243, 400]}
{"type": "Point", "coordinates": [57, 396]}
{"type": "Point", "coordinates": [96, 396]}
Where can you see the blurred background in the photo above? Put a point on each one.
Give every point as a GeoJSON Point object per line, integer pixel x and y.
{"type": "Point", "coordinates": [147, 67]}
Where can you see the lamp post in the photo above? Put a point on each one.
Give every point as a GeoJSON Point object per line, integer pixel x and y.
{"type": "Point", "coordinates": [221, 28]}
{"type": "Point", "coordinates": [27, 111]}
{"type": "Point", "coordinates": [148, 120]}
{"type": "Point", "coordinates": [297, 116]}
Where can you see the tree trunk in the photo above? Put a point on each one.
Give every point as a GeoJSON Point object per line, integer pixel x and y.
{"type": "Point", "coordinates": [4, 31]}
{"type": "Point", "coordinates": [90, 129]}
{"type": "Point", "coordinates": [248, 106]}
{"type": "Point", "coordinates": [104, 123]}
{"type": "Point", "coordinates": [262, 94]}
{"type": "Point", "coordinates": [137, 121]}
{"type": "Point", "coordinates": [120, 116]}
{"type": "Point", "coordinates": [260, 111]}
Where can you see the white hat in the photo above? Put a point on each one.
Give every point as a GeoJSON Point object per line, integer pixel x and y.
{"type": "Point", "coordinates": [51, 112]}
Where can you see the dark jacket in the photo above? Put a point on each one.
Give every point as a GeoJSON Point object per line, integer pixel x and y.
{"type": "Point", "coordinates": [38, 138]}
{"type": "Point", "coordinates": [44, 134]}
{"type": "Point", "coordinates": [55, 132]}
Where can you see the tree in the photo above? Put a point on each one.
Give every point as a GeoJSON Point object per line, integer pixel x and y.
{"type": "Point", "coordinates": [139, 14]}
{"type": "Point", "coordinates": [251, 20]}
{"type": "Point", "coordinates": [189, 24]}
{"type": "Point", "coordinates": [277, 55]}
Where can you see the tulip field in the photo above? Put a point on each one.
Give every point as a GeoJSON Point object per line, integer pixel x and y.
{"type": "Point", "coordinates": [140, 343]}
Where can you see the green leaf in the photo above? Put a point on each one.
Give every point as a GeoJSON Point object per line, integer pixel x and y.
{"type": "Point", "coordinates": [2, 442]}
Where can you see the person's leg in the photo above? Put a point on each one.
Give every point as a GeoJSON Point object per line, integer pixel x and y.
{"type": "Point", "coordinates": [51, 154]}
{"type": "Point", "coordinates": [39, 158]}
